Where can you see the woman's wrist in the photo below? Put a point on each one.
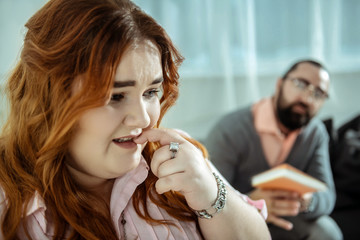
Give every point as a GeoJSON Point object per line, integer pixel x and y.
{"type": "Point", "coordinates": [219, 203]}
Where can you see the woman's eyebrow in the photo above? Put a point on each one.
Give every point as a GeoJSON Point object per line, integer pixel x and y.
{"type": "Point", "coordinates": [158, 80]}
{"type": "Point", "coordinates": [131, 83]}
{"type": "Point", "coordinates": [121, 84]}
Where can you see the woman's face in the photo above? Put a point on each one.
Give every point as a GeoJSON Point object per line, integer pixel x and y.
{"type": "Point", "coordinates": [102, 147]}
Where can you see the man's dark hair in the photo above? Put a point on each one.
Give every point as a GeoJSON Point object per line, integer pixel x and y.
{"type": "Point", "coordinates": [295, 65]}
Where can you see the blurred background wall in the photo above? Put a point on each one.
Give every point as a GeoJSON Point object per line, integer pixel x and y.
{"type": "Point", "coordinates": [234, 51]}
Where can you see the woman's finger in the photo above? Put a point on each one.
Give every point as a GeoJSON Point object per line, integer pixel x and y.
{"type": "Point", "coordinates": [162, 163]}
{"type": "Point", "coordinates": [172, 182]}
{"type": "Point", "coordinates": [161, 155]}
{"type": "Point", "coordinates": [169, 167]}
{"type": "Point", "coordinates": [163, 136]}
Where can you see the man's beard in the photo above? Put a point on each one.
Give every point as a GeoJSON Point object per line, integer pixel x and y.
{"type": "Point", "coordinates": [290, 119]}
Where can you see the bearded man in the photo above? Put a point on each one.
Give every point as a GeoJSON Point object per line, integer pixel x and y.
{"type": "Point", "coordinates": [282, 129]}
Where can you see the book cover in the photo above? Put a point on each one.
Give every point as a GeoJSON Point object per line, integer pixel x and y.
{"type": "Point", "coordinates": [287, 177]}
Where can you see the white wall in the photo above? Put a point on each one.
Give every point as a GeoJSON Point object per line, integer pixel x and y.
{"type": "Point", "coordinates": [203, 99]}
{"type": "Point", "coordinates": [200, 101]}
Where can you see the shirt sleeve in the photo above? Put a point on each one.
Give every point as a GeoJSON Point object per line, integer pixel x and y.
{"type": "Point", "coordinates": [323, 202]}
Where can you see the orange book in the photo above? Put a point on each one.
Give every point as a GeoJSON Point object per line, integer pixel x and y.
{"type": "Point", "coordinates": [287, 177]}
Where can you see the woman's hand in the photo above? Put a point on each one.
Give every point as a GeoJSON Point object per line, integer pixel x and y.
{"type": "Point", "coordinates": [187, 173]}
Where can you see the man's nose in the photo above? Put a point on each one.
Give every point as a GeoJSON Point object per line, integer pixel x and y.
{"type": "Point", "coordinates": [308, 95]}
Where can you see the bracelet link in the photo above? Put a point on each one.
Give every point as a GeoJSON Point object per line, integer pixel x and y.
{"type": "Point", "coordinates": [219, 203]}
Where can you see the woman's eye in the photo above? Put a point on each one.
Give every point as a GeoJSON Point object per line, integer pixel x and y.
{"type": "Point", "coordinates": [116, 97]}
{"type": "Point", "coordinates": [152, 93]}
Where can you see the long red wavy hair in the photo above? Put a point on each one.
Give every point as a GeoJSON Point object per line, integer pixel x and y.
{"type": "Point", "coordinates": [66, 39]}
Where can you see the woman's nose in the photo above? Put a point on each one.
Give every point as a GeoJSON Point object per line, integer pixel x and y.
{"type": "Point", "coordinates": [137, 115]}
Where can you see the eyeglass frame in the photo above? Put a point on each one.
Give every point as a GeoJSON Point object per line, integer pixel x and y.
{"type": "Point", "coordinates": [303, 85]}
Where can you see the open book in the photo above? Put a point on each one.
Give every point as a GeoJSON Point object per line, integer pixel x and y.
{"type": "Point", "coordinates": [286, 177]}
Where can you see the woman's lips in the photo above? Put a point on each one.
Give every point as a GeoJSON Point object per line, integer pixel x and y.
{"type": "Point", "coordinates": [126, 142]}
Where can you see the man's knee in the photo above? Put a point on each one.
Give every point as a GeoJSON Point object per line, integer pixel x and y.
{"type": "Point", "coordinates": [322, 228]}
{"type": "Point", "coordinates": [325, 228]}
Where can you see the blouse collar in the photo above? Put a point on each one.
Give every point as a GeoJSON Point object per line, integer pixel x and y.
{"type": "Point", "coordinates": [122, 192]}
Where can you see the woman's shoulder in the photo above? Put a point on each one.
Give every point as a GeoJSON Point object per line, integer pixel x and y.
{"type": "Point", "coordinates": [35, 216]}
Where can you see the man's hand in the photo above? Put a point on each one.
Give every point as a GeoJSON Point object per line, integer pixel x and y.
{"type": "Point", "coordinates": [279, 203]}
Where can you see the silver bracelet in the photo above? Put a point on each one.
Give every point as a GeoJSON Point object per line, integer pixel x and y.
{"type": "Point", "coordinates": [219, 203]}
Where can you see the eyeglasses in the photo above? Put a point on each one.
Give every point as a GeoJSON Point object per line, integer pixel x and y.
{"type": "Point", "coordinates": [303, 85]}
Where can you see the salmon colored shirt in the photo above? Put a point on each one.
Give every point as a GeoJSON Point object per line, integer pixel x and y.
{"type": "Point", "coordinates": [276, 146]}
{"type": "Point", "coordinates": [135, 227]}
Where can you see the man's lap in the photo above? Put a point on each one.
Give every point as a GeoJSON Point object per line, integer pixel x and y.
{"type": "Point", "coordinates": [323, 227]}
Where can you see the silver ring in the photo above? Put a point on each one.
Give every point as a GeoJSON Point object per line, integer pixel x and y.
{"type": "Point", "coordinates": [174, 148]}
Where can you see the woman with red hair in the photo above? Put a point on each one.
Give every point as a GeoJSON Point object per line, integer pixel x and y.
{"type": "Point", "coordinates": [82, 155]}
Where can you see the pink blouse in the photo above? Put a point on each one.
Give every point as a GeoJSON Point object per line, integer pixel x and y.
{"type": "Point", "coordinates": [135, 227]}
